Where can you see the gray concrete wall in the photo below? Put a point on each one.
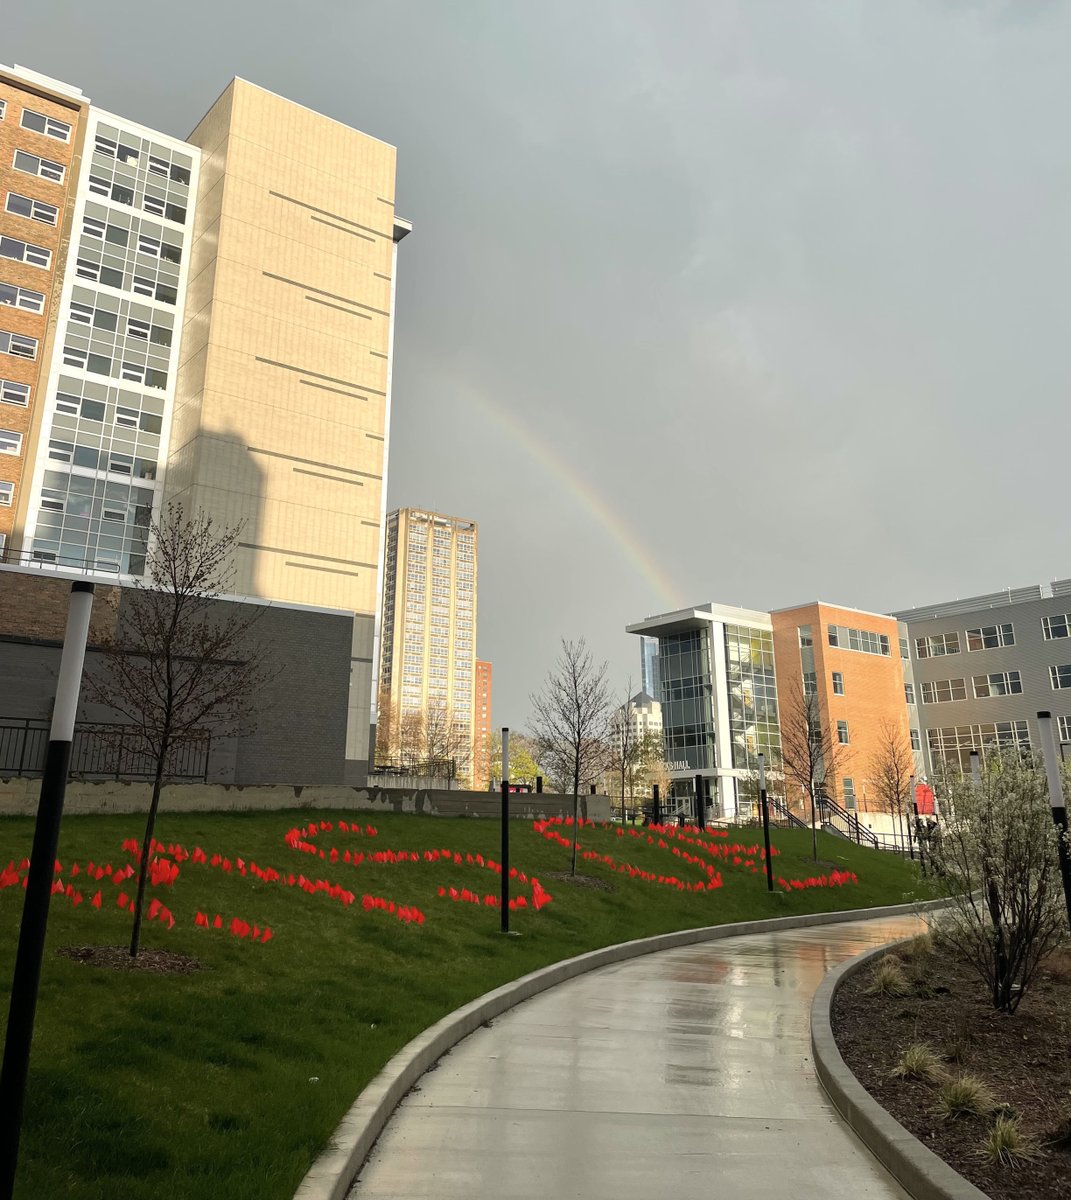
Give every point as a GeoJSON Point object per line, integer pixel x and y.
{"type": "Point", "coordinates": [299, 736]}
{"type": "Point", "coordinates": [18, 797]}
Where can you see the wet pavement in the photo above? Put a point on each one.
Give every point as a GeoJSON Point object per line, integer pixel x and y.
{"type": "Point", "coordinates": [681, 1074]}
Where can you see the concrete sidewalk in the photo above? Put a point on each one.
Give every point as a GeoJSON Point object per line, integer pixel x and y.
{"type": "Point", "coordinates": [681, 1074]}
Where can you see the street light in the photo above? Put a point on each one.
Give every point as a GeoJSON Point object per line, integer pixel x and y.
{"type": "Point", "coordinates": [26, 978]}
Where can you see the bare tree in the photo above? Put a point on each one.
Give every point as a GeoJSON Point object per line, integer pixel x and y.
{"type": "Point", "coordinates": [570, 722]}
{"type": "Point", "coordinates": [811, 757]}
{"type": "Point", "coordinates": [891, 767]}
{"type": "Point", "coordinates": [180, 665]}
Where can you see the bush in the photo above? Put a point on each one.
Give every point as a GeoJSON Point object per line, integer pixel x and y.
{"type": "Point", "coordinates": [999, 856]}
{"type": "Point", "coordinates": [964, 1096]}
{"type": "Point", "coordinates": [888, 978]}
{"type": "Point", "coordinates": [1007, 1145]}
{"type": "Point", "coordinates": [920, 1062]}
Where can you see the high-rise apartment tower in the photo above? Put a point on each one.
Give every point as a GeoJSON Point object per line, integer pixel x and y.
{"type": "Point", "coordinates": [428, 643]}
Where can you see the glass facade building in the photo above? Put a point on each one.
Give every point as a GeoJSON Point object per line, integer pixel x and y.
{"type": "Point", "coordinates": [752, 693]}
{"type": "Point", "coordinates": [687, 720]}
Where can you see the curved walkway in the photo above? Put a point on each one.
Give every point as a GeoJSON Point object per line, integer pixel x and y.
{"type": "Point", "coordinates": [682, 1074]}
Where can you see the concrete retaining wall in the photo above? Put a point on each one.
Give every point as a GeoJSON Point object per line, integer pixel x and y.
{"type": "Point", "coordinates": [18, 797]}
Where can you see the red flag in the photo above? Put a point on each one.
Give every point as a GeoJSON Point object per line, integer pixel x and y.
{"type": "Point", "coordinates": [96, 900]}
{"type": "Point", "coordinates": [218, 922]}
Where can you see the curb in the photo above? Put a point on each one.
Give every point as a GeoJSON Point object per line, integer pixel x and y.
{"type": "Point", "coordinates": [915, 1167]}
{"type": "Point", "coordinates": [332, 1174]}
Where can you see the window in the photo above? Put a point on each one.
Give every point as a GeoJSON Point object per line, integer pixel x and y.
{"type": "Point", "coordinates": [3, 109]}
{"type": "Point", "coordinates": [43, 168]}
{"type": "Point", "coordinates": [810, 683]}
{"type": "Point", "coordinates": [842, 733]}
{"type": "Point", "coordinates": [17, 344]}
{"type": "Point", "coordinates": [1060, 677]}
{"type": "Point", "coordinates": [943, 691]}
{"type": "Point", "coordinates": [806, 637]}
{"type": "Point", "coordinates": [909, 693]}
{"type": "Point", "coordinates": [849, 792]}
{"type": "Point", "coordinates": [10, 442]}
{"type": "Point", "coordinates": [1056, 627]}
{"type": "Point", "coordinates": [20, 297]}
{"type": "Point", "coordinates": [27, 252]}
{"type": "Point", "coordinates": [988, 637]}
{"type": "Point", "coordinates": [36, 210]}
{"type": "Point", "coordinates": [916, 742]}
{"type": "Point", "coordinates": [1063, 728]}
{"type": "Point", "coordinates": [7, 493]}
{"type": "Point", "coordinates": [862, 640]}
{"type": "Point", "coordinates": [838, 683]}
{"type": "Point", "coordinates": [903, 648]}
{"type": "Point", "coordinates": [937, 645]}
{"type": "Point", "coordinates": [955, 742]}
{"type": "Point", "coordinates": [49, 126]}
{"type": "Point", "coordinates": [1001, 683]}
{"type": "Point", "coordinates": [14, 393]}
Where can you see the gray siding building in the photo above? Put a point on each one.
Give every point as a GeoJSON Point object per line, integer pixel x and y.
{"type": "Point", "coordinates": [984, 667]}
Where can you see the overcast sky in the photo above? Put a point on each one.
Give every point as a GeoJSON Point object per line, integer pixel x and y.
{"type": "Point", "coordinates": [757, 302]}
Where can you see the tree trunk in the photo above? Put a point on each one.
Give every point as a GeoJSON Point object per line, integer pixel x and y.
{"type": "Point", "coordinates": [576, 818]}
{"type": "Point", "coordinates": [150, 825]}
{"type": "Point", "coordinates": [814, 826]}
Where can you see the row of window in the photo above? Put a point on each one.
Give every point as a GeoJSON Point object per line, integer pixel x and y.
{"type": "Point", "coordinates": [25, 252]}
{"type": "Point", "coordinates": [34, 210]}
{"type": "Point", "coordinates": [10, 442]}
{"type": "Point", "coordinates": [101, 364]}
{"type": "Point", "coordinates": [20, 297]}
{"type": "Point", "coordinates": [49, 126]}
{"type": "Point", "coordinates": [42, 168]}
{"type": "Point", "coordinates": [14, 393]}
{"type": "Point", "coordinates": [989, 637]}
{"type": "Point", "coordinates": [19, 345]}
{"type": "Point", "coordinates": [996, 683]}
{"type": "Point", "coordinates": [862, 640]}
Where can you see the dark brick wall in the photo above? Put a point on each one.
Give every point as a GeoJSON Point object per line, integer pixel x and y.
{"type": "Point", "coordinates": [300, 730]}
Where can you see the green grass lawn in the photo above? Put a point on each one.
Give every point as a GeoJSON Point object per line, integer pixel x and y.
{"type": "Point", "coordinates": [229, 1081]}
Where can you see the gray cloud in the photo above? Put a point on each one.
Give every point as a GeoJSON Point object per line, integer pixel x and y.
{"type": "Point", "coordinates": [784, 284]}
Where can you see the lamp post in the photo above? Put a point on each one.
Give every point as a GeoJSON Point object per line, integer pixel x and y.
{"type": "Point", "coordinates": [1056, 800]}
{"type": "Point", "coordinates": [504, 887]}
{"type": "Point", "coordinates": [764, 805]}
{"type": "Point", "coordinates": [26, 978]}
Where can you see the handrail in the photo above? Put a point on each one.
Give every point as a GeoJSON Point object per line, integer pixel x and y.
{"type": "Point", "coordinates": [854, 828]}
{"type": "Point", "coordinates": [784, 811]}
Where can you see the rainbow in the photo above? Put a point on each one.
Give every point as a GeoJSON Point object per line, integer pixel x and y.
{"type": "Point", "coordinates": [550, 459]}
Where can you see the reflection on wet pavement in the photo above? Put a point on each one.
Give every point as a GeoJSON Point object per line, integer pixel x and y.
{"type": "Point", "coordinates": [682, 1074]}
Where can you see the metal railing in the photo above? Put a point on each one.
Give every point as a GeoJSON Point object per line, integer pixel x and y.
{"type": "Point", "coordinates": [59, 563]}
{"type": "Point", "coordinates": [846, 823]}
{"type": "Point", "coordinates": [437, 768]}
{"type": "Point", "coordinates": [781, 814]}
{"type": "Point", "coordinates": [99, 751]}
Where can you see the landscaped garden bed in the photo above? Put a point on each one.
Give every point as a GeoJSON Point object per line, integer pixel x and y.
{"type": "Point", "coordinates": [298, 951]}
{"type": "Point", "coordinates": [1022, 1060]}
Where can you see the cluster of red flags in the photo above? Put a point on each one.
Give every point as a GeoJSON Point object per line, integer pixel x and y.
{"type": "Point", "coordinates": [406, 913]}
{"type": "Point", "coordinates": [301, 839]}
{"type": "Point", "coordinates": [237, 927]}
{"type": "Point", "coordinates": [833, 879]}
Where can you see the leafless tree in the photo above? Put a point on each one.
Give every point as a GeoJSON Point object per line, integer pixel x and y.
{"type": "Point", "coordinates": [181, 664]}
{"type": "Point", "coordinates": [811, 757]}
{"type": "Point", "coordinates": [891, 767]}
{"type": "Point", "coordinates": [570, 722]}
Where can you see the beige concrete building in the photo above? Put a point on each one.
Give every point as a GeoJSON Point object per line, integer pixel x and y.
{"type": "Point", "coordinates": [428, 644]}
{"type": "Point", "coordinates": [224, 335]}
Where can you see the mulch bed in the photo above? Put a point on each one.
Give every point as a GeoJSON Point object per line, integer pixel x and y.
{"type": "Point", "coordinates": [1024, 1058]}
{"type": "Point", "coordinates": [117, 958]}
{"type": "Point", "coordinates": [580, 881]}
